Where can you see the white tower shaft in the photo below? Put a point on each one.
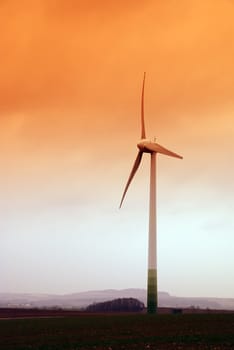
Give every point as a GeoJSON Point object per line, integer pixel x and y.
{"type": "Point", "coordinates": [152, 256]}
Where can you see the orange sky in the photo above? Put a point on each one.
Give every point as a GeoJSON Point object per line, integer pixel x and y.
{"type": "Point", "coordinates": [55, 53]}
{"type": "Point", "coordinates": [71, 75]}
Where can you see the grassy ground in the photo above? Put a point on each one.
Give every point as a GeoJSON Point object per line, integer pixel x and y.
{"type": "Point", "coordinates": [112, 332]}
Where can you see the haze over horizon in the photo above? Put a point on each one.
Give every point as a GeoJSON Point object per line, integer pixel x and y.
{"type": "Point", "coordinates": [71, 76]}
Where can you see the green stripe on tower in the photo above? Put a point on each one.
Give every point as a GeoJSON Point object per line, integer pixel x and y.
{"type": "Point", "coordinates": [152, 298]}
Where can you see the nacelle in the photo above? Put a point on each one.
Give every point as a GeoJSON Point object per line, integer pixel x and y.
{"type": "Point", "coordinates": [143, 145]}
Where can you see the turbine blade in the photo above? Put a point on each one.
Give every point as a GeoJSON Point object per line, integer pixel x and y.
{"type": "Point", "coordinates": [133, 172]}
{"type": "Point", "coordinates": [142, 110]}
{"type": "Point", "coordinates": [155, 147]}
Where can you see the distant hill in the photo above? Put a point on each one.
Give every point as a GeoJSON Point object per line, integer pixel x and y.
{"type": "Point", "coordinates": [83, 299]}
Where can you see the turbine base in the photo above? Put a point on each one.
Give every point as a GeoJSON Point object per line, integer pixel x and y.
{"type": "Point", "coordinates": [152, 298]}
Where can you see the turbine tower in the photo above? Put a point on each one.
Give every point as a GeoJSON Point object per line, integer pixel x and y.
{"type": "Point", "coordinates": [153, 148]}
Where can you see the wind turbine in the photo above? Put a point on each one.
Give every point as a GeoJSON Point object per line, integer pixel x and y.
{"type": "Point", "coordinates": [153, 148]}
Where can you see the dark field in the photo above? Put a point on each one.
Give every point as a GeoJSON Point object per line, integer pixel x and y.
{"type": "Point", "coordinates": [120, 331]}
